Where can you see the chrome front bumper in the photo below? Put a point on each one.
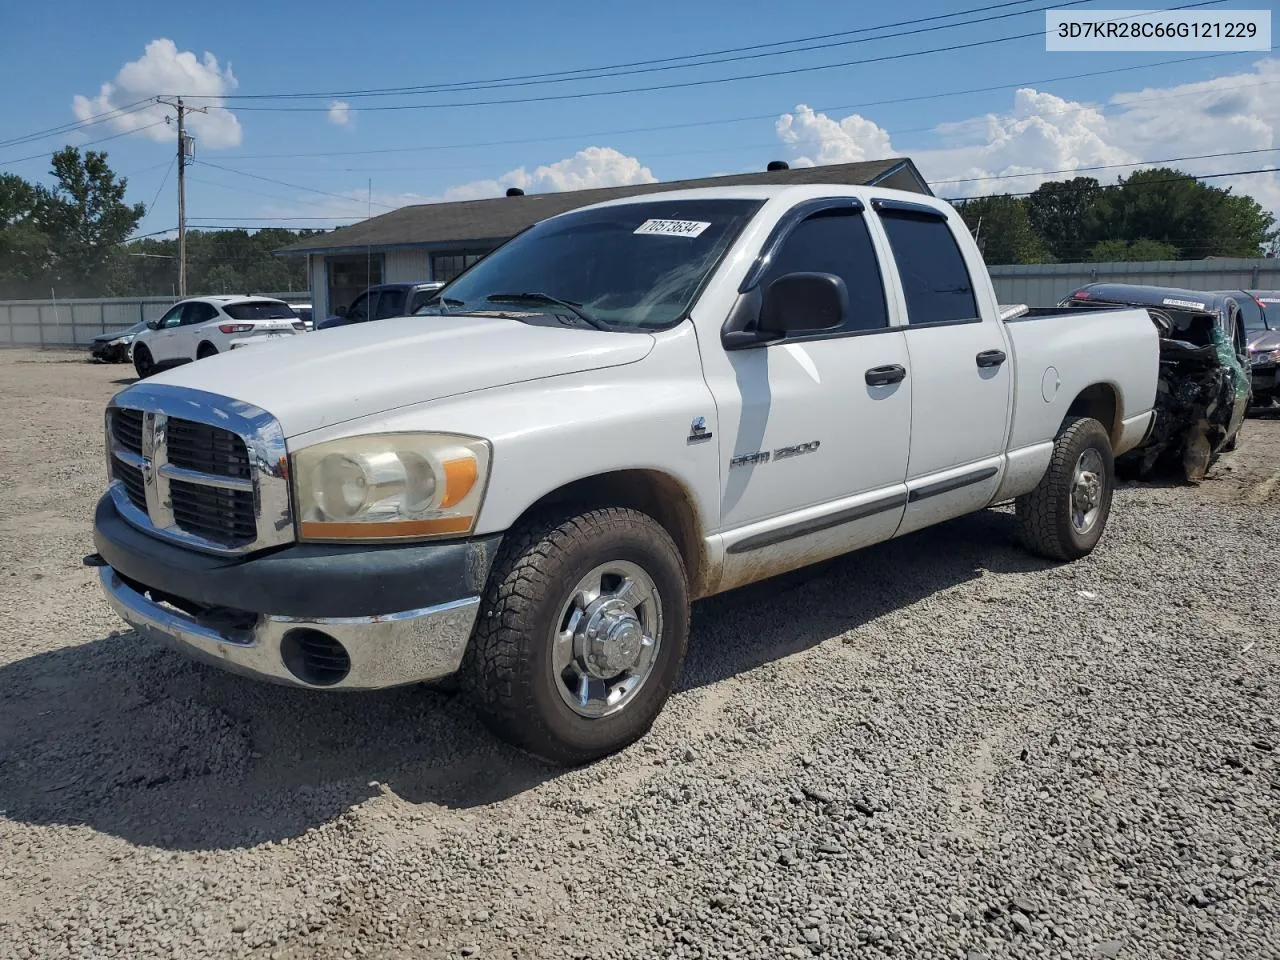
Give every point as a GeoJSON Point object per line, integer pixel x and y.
{"type": "Point", "coordinates": [384, 651]}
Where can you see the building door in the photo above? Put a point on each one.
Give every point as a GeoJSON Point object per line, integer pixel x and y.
{"type": "Point", "coordinates": [350, 276]}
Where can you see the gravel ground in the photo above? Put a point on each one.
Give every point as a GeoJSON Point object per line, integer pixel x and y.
{"type": "Point", "coordinates": [939, 747]}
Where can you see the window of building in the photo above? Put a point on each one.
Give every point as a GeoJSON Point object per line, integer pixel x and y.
{"type": "Point", "coordinates": [351, 276]}
{"type": "Point", "coordinates": [837, 241]}
{"type": "Point", "coordinates": [934, 278]}
{"type": "Point", "coordinates": [446, 266]}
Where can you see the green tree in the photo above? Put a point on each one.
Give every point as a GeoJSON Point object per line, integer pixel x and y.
{"type": "Point", "coordinates": [85, 218]}
{"type": "Point", "coordinates": [1172, 208]}
{"type": "Point", "coordinates": [1110, 251]}
{"type": "Point", "coordinates": [24, 248]}
{"type": "Point", "coordinates": [1061, 212]}
{"type": "Point", "coordinates": [1003, 230]}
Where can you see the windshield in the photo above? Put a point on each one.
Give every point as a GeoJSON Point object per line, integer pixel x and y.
{"type": "Point", "coordinates": [634, 266]}
{"type": "Point", "coordinates": [259, 310]}
{"type": "Point", "coordinates": [1270, 303]}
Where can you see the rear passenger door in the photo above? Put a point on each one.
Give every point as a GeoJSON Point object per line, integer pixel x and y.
{"type": "Point", "coordinates": [962, 377]}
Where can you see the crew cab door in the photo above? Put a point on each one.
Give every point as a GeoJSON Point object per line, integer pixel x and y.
{"type": "Point", "coordinates": [962, 371]}
{"type": "Point", "coordinates": [814, 430]}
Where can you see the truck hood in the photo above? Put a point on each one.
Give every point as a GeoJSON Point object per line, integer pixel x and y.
{"type": "Point", "coordinates": [318, 379]}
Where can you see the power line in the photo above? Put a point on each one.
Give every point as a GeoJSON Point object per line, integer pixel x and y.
{"type": "Point", "coordinates": [89, 143]}
{"type": "Point", "coordinates": [78, 124]}
{"type": "Point", "coordinates": [1142, 183]}
{"type": "Point", "coordinates": [283, 183]}
{"type": "Point", "coordinates": [1109, 166]}
{"type": "Point", "coordinates": [744, 119]}
{"type": "Point", "coordinates": [752, 52]}
{"type": "Point", "coordinates": [152, 205]}
{"type": "Point", "coordinates": [685, 84]}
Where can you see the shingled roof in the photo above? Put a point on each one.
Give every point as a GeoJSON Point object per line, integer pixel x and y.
{"type": "Point", "coordinates": [481, 221]}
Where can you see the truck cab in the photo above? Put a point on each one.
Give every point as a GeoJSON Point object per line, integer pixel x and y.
{"type": "Point", "coordinates": [623, 409]}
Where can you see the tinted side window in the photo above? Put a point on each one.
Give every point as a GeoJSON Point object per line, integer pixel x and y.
{"type": "Point", "coordinates": [200, 313]}
{"type": "Point", "coordinates": [390, 304]}
{"type": "Point", "coordinates": [837, 242]}
{"type": "Point", "coordinates": [934, 277]}
{"type": "Point", "coordinates": [421, 297]}
{"type": "Point", "coordinates": [359, 307]}
{"type": "Point", "coordinates": [173, 317]}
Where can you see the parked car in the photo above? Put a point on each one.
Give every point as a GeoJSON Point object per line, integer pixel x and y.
{"type": "Point", "coordinates": [1204, 375]}
{"type": "Point", "coordinates": [383, 301]}
{"type": "Point", "coordinates": [625, 407]}
{"type": "Point", "coordinates": [304, 313]}
{"type": "Point", "coordinates": [203, 326]}
{"type": "Point", "coordinates": [1262, 336]}
{"type": "Point", "coordinates": [114, 347]}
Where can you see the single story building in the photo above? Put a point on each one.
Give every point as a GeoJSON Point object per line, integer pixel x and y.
{"type": "Point", "coordinates": [436, 241]}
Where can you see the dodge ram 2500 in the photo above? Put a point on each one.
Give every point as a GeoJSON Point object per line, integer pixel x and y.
{"type": "Point", "coordinates": [623, 409]}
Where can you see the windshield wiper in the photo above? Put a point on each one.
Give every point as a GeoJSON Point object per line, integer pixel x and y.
{"type": "Point", "coordinates": [550, 300]}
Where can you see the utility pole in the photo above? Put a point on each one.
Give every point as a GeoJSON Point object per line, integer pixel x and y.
{"type": "Point", "coordinates": [186, 146]}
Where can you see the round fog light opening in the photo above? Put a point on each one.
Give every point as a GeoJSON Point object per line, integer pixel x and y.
{"type": "Point", "coordinates": [314, 657]}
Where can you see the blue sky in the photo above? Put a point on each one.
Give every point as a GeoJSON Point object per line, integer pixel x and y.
{"type": "Point", "coordinates": [52, 53]}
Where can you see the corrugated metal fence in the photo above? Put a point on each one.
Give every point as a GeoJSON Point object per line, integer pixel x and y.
{"type": "Point", "coordinates": [71, 323]}
{"type": "Point", "coordinates": [1044, 284]}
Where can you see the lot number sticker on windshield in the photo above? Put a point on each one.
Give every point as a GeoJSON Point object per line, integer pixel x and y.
{"type": "Point", "coordinates": [672, 228]}
{"type": "Point", "coordinates": [1175, 302]}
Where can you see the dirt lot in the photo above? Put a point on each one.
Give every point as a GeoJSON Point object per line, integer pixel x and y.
{"type": "Point", "coordinates": [940, 747]}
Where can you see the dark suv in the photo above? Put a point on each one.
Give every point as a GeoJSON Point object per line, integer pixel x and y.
{"type": "Point", "coordinates": [382, 301]}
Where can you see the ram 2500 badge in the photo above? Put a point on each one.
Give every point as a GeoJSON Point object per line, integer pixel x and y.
{"type": "Point", "coordinates": [623, 409]}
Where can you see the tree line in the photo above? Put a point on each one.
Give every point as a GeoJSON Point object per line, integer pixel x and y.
{"type": "Point", "coordinates": [70, 238]}
{"type": "Point", "coordinates": [1155, 214]}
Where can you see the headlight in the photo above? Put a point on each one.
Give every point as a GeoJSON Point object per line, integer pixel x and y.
{"type": "Point", "coordinates": [392, 486]}
{"type": "Point", "coordinates": [1270, 356]}
{"type": "Point", "coordinates": [121, 341]}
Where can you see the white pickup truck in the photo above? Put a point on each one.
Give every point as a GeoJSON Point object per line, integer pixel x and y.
{"type": "Point", "coordinates": [623, 409]}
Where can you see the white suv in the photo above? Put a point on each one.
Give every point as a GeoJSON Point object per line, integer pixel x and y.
{"type": "Point", "coordinates": [202, 326]}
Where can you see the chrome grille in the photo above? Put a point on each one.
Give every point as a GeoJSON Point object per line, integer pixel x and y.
{"type": "Point", "coordinates": [127, 425]}
{"type": "Point", "coordinates": [199, 469]}
{"type": "Point", "coordinates": [131, 477]}
{"type": "Point", "coordinates": [222, 515]}
{"type": "Point", "coordinates": [196, 446]}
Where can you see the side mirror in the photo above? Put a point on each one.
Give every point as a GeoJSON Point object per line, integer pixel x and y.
{"type": "Point", "coordinates": [340, 311]}
{"type": "Point", "coordinates": [153, 324]}
{"type": "Point", "coordinates": [799, 302]}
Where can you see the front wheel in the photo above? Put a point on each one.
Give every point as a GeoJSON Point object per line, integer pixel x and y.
{"type": "Point", "coordinates": [1063, 518]}
{"type": "Point", "coordinates": [143, 365]}
{"type": "Point", "coordinates": [581, 635]}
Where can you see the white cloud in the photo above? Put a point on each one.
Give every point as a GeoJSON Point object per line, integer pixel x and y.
{"type": "Point", "coordinates": [1044, 132]}
{"type": "Point", "coordinates": [340, 113]}
{"type": "Point", "coordinates": [592, 167]}
{"type": "Point", "coordinates": [818, 140]}
{"type": "Point", "coordinates": [163, 70]}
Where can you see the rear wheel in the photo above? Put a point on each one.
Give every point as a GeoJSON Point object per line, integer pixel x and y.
{"type": "Point", "coordinates": [143, 365]}
{"type": "Point", "coordinates": [581, 635]}
{"type": "Point", "coordinates": [205, 349]}
{"type": "Point", "coordinates": [1064, 517]}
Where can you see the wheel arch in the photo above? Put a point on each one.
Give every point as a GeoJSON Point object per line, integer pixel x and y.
{"type": "Point", "coordinates": [652, 492]}
{"type": "Point", "coordinates": [1103, 402]}
{"type": "Point", "coordinates": [206, 343]}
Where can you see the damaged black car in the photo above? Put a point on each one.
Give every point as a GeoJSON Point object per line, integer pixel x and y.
{"type": "Point", "coordinates": [1204, 387]}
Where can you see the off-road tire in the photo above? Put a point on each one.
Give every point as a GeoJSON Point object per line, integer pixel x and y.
{"type": "Point", "coordinates": [143, 365]}
{"type": "Point", "coordinates": [507, 669]}
{"type": "Point", "coordinates": [206, 349]}
{"type": "Point", "coordinates": [1044, 514]}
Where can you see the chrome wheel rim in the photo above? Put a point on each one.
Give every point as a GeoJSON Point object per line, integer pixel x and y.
{"type": "Point", "coordinates": [1086, 491]}
{"type": "Point", "coordinates": [606, 639]}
